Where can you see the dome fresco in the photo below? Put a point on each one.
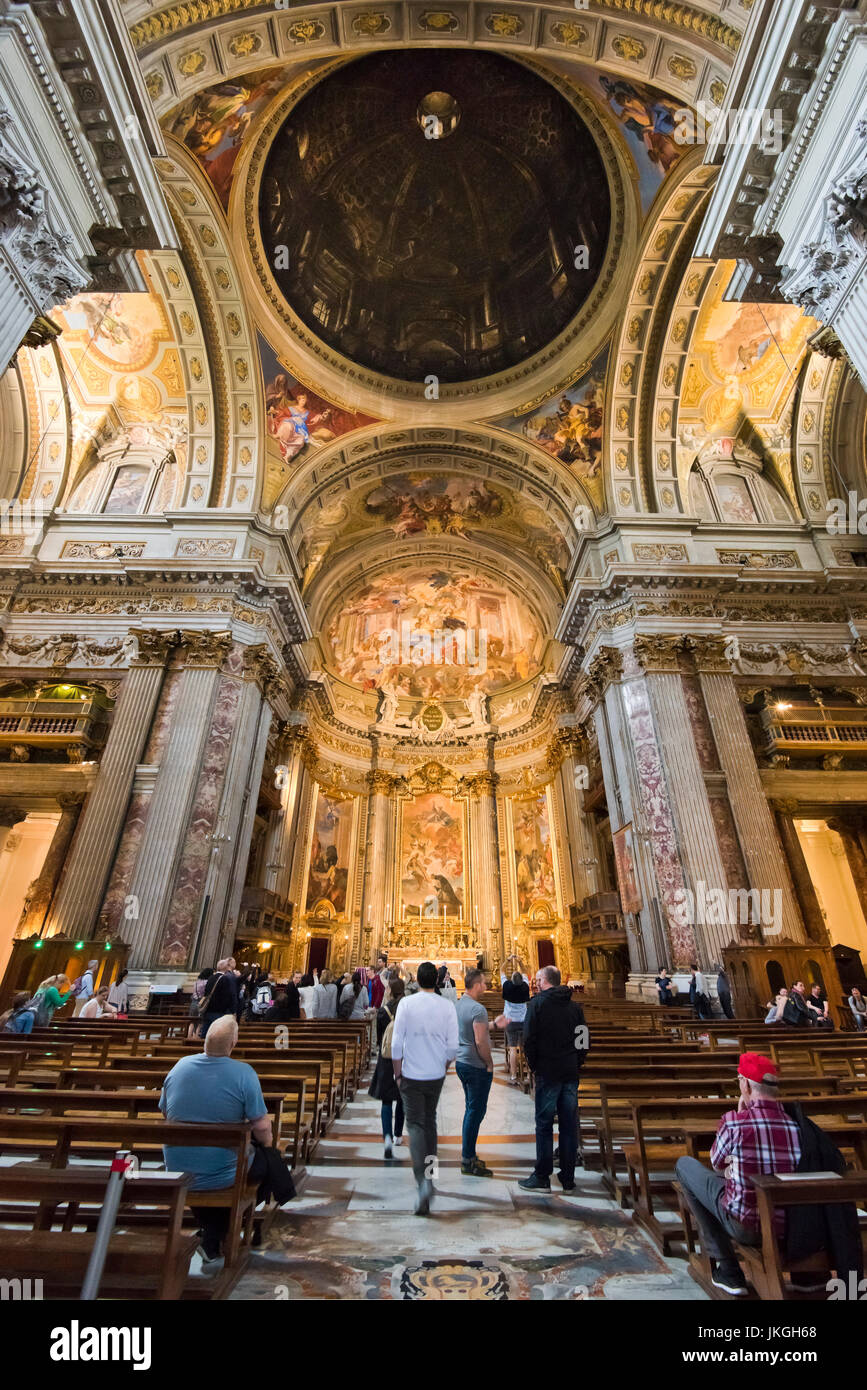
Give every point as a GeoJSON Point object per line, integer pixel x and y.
{"type": "Point", "coordinates": [415, 246]}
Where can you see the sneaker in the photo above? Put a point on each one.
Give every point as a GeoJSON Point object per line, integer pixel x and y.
{"type": "Point", "coordinates": [475, 1169]}
{"type": "Point", "coordinates": [730, 1279]}
{"type": "Point", "coordinates": [566, 1186]}
{"type": "Point", "coordinates": [398, 1140]}
{"type": "Point", "coordinates": [386, 1145]}
{"type": "Point", "coordinates": [513, 1080]}
{"type": "Point", "coordinates": [425, 1192]}
{"type": "Point", "coordinates": [209, 1259]}
{"type": "Point", "coordinates": [535, 1184]}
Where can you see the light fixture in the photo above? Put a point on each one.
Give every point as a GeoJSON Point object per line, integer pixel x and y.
{"type": "Point", "coordinates": [264, 945]}
{"type": "Point", "coordinates": [781, 706]}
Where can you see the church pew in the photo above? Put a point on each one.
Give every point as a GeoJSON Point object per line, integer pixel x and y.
{"type": "Point", "coordinates": [140, 1263]}
{"type": "Point", "coordinates": [285, 1105]}
{"type": "Point", "coordinates": [765, 1266]}
{"type": "Point", "coordinates": [316, 1030]}
{"type": "Point", "coordinates": [666, 1131]}
{"type": "Point", "coordinates": [63, 1137]}
{"type": "Point", "coordinates": [271, 1070]}
{"type": "Point", "coordinates": [606, 1112]}
{"type": "Point", "coordinates": [334, 1058]}
{"type": "Point", "coordinates": [83, 1089]}
{"type": "Point", "coordinates": [293, 1087]}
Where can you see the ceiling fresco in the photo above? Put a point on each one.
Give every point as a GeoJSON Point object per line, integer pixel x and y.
{"type": "Point", "coordinates": [213, 124]}
{"type": "Point", "coordinates": [393, 633]}
{"type": "Point", "coordinates": [298, 421]}
{"type": "Point", "coordinates": [125, 388]}
{"type": "Point", "coordinates": [568, 425]}
{"type": "Point", "coordinates": [421, 503]}
{"type": "Point", "coordinates": [456, 255]}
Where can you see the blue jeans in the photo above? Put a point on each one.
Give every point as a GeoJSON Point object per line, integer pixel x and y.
{"type": "Point", "coordinates": [558, 1098]}
{"type": "Point", "coordinates": [387, 1132]}
{"type": "Point", "coordinates": [476, 1082]}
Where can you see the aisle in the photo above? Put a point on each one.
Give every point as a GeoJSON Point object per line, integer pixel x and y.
{"type": "Point", "coordinates": [352, 1233]}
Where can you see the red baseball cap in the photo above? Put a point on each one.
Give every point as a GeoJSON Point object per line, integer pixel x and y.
{"type": "Point", "coordinates": [760, 1069]}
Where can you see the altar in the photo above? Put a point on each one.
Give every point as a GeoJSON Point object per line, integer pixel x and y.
{"type": "Point", "coordinates": [459, 960]}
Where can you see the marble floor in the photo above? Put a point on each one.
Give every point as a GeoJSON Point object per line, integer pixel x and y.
{"type": "Point", "coordinates": [351, 1233]}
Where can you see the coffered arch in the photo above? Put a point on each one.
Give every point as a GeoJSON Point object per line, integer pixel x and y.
{"type": "Point", "coordinates": [646, 366]}
{"type": "Point", "coordinates": [686, 49]}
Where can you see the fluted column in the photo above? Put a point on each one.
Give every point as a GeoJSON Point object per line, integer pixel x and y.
{"type": "Point", "coordinates": [580, 852]}
{"type": "Point", "coordinates": [809, 903]}
{"type": "Point", "coordinates": [696, 830]}
{"type": "Point", "coordinates": [290, 847]}
{"type": "Point", "coordinates": [378, 859]}
{"type": "Point", "coordinates": [763, 855]}
{"type": "Point", "coordinates": [82, 886]}
{"type": "Point", "coordinates": [152, 881]}
{"type": "Point", "coordinates": [234, 826]}
{"type": "Point", "coordinates": [488, 929]}
{"type": "Point", "coordinates": [42, 889]}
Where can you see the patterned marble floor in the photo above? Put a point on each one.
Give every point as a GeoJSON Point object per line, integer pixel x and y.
{"type": "Point", "coordinates": [351, 1233]}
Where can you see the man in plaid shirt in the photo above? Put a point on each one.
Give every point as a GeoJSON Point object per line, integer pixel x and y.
{"type": "Point", "coordinates": [758, 1137]}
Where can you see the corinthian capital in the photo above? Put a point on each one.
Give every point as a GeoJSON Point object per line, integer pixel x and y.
{"type": "Point", "coordinates": [260, 666]}
{"type": "Point", "coordinates": [153, 646]}
{"type": "Point", "coordinates": [606, 667]}
{"type": "Point", "coordinates": [658, 654]}
{"type": "Point", "coordinates": [709, 654]}
{"type": "Point", "coordinates": [205, 648]}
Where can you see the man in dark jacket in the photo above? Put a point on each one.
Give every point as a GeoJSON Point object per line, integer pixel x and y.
{"type": "Point", "coordinates": [796, 1011]}
{"type": "Point", "coordinates": [221, 996]}
{"type": "Point", "coordinates": [555, 1045]}
{"type": "Point", "coordinates": [724, 992]}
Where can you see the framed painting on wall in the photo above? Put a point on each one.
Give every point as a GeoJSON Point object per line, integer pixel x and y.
{"type": "Point", "coordinates": [624, 859]}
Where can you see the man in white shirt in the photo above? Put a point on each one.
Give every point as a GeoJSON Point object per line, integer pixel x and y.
{"type": "Point", "coordinates": [424, 1043]}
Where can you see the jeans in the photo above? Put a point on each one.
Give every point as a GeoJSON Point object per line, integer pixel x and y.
{"type": "Point", "coordinates": [703, 1190]}
{"type": "Point", "coordinates": [859, 1020]}
{"type": "Point", "coordinates": [387, 1131]}
{"type": "Point", "coordinates": [420, 1100]}
{"type": "Point", "coordinates": [560, 1098]}
{"type": "Point", "coordinates": [476, 1082]}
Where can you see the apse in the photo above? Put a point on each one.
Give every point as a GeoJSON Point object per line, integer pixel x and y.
{"type": "Point", "coordinates": [439, 213]}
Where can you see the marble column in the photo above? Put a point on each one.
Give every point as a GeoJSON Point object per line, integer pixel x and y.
{"type": "Point", "coordinates": [247, 823]}
{"type": "Point", "coordinates": [765, 862]}
{"type": "Point", "coordinates": [378, 859]}
{"type": "Point", "coordinates": [580, 855]}
{"type": "Point", "coordinates": [299, 758]}
{"type": "Point", "coordinates": [233, 826]}
{"type": "Point", "coordinates": [811, 911]}
{"type": "Point", "coordinates": [201, 657]}
{"type": "Point", "coordinates": [43, 888]}
{"type": "Point", "coordinates": [80, 892]}
{"type": "Point", "coordinates": [687, 794]}
{"type": "Point", "coordinates": [637, 795]}
{"type": "Point", "coordinates": [488, 932]}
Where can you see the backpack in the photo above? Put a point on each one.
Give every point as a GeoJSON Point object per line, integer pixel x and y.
{"type": "Point", "coordinates": [346, 1006]}
{"type": "Point", "coordinates": [385, 1045]}
{"type": "Point", "coordinates": [41, 1009]}
{"type": "Point", "coordinates": [262, 1001]}
{"type": "Point", "coordinates": [78, 988]}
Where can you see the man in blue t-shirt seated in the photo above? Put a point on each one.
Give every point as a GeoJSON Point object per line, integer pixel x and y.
{"type": "Point", "coordinates": [209, 1087]}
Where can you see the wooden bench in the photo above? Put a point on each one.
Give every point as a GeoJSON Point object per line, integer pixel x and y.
{"type": "Point", "coordinates": [766, 1265]}
{"type": "Point", "coordinates": [63, 1137]}
{"type": "Point", "coordinates": [667, 1130]}
{"type": "Point", "coordinates": [139, 1263]}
